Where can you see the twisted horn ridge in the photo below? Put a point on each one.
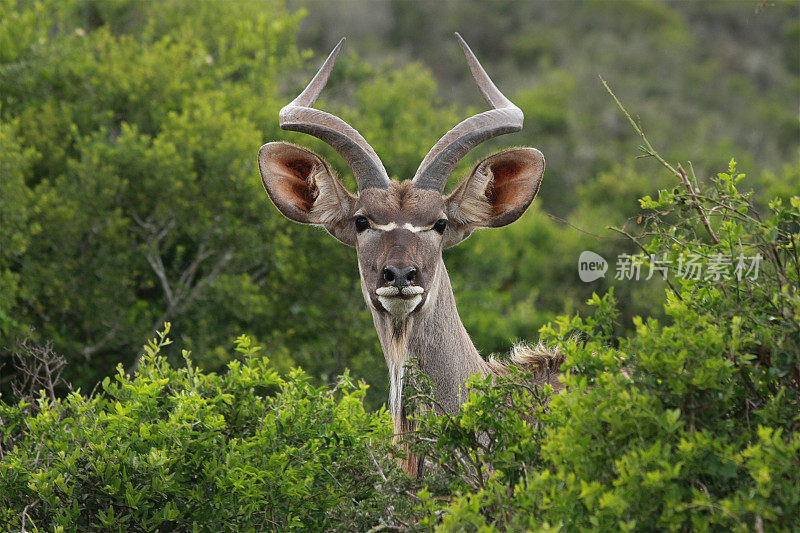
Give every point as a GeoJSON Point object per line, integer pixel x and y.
{"type": "Point", "coordinates": [504, 117]}
{"type": "Point", "coordinates": [300, 116]}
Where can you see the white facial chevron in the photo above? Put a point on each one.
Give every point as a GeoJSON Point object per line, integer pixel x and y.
{"type": "Point", "coordinates": [392, 225]}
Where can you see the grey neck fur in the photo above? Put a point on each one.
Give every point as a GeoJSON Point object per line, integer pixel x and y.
{"type": "Point", "coordinates": [435, 336]}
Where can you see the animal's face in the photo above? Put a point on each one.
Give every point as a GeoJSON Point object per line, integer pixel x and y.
{"type": "Point", "coordinates": [399, 232]}
{"type": "Point", "coordinates": [400, 228]}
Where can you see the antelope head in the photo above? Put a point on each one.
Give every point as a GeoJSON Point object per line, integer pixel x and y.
{"type": "Point", "coordinates": [399, 228]}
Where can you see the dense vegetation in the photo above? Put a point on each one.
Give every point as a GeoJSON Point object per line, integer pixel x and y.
{"type": "Point", "coordinates": [693, 424]}
{"type": "Point", "coordinates": [130, 204]}
{"type": "Point", "coordinates": [130, 195]}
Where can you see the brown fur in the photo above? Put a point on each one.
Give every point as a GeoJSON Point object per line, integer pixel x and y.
{"type": "Point", "coordinates": [469, 204]}
{"type": "Point", "coordinates": [541, 360]}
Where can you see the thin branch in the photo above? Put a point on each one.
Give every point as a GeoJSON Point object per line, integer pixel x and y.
{"type": "Point", "coordinates": [187, 295]}
{"type": "Point", "coordinates": [647, 148]}
{"type": "Point", "coordinates": [696, 204]}
{"type": "Point", "coordinates": [154, 258]}
{"type": "Point", "coordinates": [39, 367]}
{"type": "Point", "coordinates": [26, 516]}
{"type": "Point", "coordinates": [375, 462]}
{"type": "Point", "coordinates": [332, 477]}
{"type": "Point", "coordinates": [89, 351]}
{"type": "Point", "coordinates": [188, 275]}
{"type": "Point", "coordinates": [153, 255]}
{"type": "Point", "coordinates": [560, 220]}
{"type": "Point", "coordinates": [679, 172]}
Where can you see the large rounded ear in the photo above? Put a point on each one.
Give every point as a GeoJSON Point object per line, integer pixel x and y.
{"type": "Point", "coordinates": [305, 189]}
{"type": "Point", "coordinates": [496, 193]}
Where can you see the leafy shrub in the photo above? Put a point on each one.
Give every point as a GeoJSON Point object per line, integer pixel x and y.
{"type": "Point", "coordinates": [690, 424]}
{"type": "Point", "coordinates": [179, 449]}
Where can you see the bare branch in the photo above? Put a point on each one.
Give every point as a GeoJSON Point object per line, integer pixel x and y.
{"type": "Point", "coordinates": [26, 516]}
{"type": "Point", "coordinates": [375, 462]}
{"type": "Point", "coordinates": [564, 221]}
{"type": "Point", "coordinates": [679, 172]}
{"type": "Point", "coordinates": [154, 258]}
{"type": "Point", "coordinates": [39, 367]}
{"type": "Point", "coordinates": [647, 148]}
{"type": "Point", "coordinates": [186, 294]}
{"type": "Point", "coordinates": [88, 351]}
{"type": "Point", "coordinates": [203, 253]}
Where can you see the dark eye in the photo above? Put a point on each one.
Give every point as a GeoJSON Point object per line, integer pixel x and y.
{"type": "Point", "coordinates": [361, 223]}
{"type": "Point", "coordinates": [440, 225]}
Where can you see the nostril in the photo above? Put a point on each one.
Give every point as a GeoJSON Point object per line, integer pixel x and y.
{"type": "Point", "coordinates": [399, 277]}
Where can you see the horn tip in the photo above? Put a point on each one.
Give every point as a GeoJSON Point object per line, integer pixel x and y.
{"type": "Point", "coordinates": [338, 47]}
{"type": "Point", "coordinates": [463, 44]}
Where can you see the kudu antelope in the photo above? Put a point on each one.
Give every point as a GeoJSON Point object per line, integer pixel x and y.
{"type": "Point", "coordinates": [399, 229]}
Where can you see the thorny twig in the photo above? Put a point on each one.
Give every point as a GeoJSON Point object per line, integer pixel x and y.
{"type": "Point", "coordinates": [560, 220]}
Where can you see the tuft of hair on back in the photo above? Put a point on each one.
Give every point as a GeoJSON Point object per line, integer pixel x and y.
{"type": "Point", "coordinates": [543, 361]}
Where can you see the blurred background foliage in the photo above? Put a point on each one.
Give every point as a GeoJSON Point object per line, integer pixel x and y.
{"type": "Point", "coordinates": [130, 193]}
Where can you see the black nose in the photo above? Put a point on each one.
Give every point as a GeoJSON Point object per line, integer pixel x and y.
{"type": "Point", "coordinates": [399, 277]}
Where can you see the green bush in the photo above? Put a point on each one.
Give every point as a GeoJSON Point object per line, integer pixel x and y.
{"type": "Point", "coordinates": [690, 424]}
{"type": "Point", "coordinates": [179, 449]}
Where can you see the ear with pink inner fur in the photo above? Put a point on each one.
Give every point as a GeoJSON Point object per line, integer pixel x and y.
{"type": "Point", "coordinates": [496, 193]}
{"type": "Point", "coordinates": [305, 189]}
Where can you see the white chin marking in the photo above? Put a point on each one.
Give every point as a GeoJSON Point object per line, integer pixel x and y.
{"type": "Point", "coordinates": [399, 307]}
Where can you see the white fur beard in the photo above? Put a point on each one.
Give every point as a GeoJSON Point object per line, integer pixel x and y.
{"type": "Point", "coordinates": [399, 307]}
